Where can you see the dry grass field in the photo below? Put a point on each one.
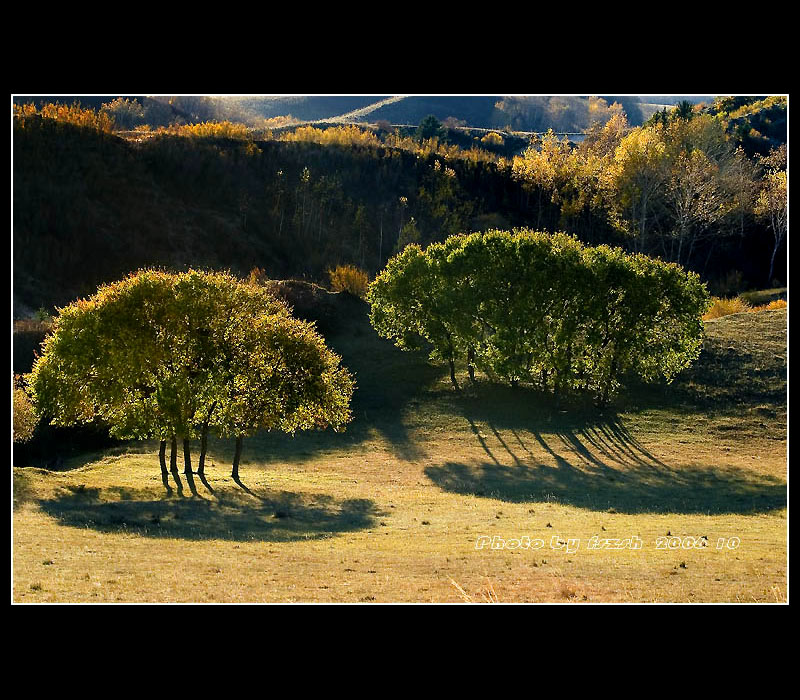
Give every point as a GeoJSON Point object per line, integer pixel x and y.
{"type": "Point", "coordinates": [673, 494]}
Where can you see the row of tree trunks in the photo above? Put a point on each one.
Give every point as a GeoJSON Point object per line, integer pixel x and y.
{"type": "Point", "coordinates": [187, 459]}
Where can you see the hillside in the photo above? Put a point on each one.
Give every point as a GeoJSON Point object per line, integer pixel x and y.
{"type": "Point", "coordinates": [522, 113]}
{"type": "Point", "coordinates": [305, 108]}
{"type": "Point", "coordinates": [90, 207]}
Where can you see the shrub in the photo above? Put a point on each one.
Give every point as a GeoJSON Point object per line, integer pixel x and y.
{"type": "Point", "coordinates": [724, 307]}
{"type": "Point", "coordinates": [492, 139]}
{"type": "Point", "coordinates": [348, 278]}
{"type": "Point", "coordinates": [737, 305]}
{"type": "Point", "coordinates": [25, 419]}
{"type": "Point", "coordinates": [334, 136]}
{"type": "Point", "coordinates": [212, 130]}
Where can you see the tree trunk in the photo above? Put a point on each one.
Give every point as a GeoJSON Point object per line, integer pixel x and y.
{"type": "Point", "coordinates": [173, 456]}
{"type": "Point", "coordinates": [539, 213]}
{"type": "Point", "coordinates": [187, 457]}
{"type": "Point", "coordinates": [162, 457]}
{"type": "Point", "coordinates": [708, 257]}
{"type": "Point", "coordinates": [772, 260]}
{"type": "Point", "coordinates": [236, 456]}
{"type": "Point", "coordinates": [607, 388]}
{"type": "Point", "coordinates": [470, 365]}
{"type": "Point", "coordinates": [380, 244]}
{"type": "Point", "coordinates": [201, 460]}
{"type": "Point", "coordinates": [201, 463]}
{"type": "Point", "coordinates": [452, 364]}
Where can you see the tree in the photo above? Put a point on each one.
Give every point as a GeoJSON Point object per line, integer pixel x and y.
{"type": "Point", "coordinates": [542, 308]}
{"type": "Point", "coordinates": [635, 179]}
{"type": "Point", "coordinates": [159, 355]}
{"type": "Point", "coordinates": [409, 233]}
{"type": "Point", "coordinates": [683, 110]}
{"type": "Point", "coordinates": [411, 304]}
{"type": "Point", "coordinates": [771, 205]}
{"type": "Point", "coordinates": [739, 179]}
{"type": "Point", "coordinates": [696, 199]}
{"type": "Point", "coordinates": [545, 168]}
{"type": "Point", "coordinates": [279, 375]}
{"type": "Point", "coordinates": [430, 128]}
{"type": "Point", "coordinates": [102, 361]}
{"type": "Point", "coordinates": [127, 114]}
{"type": "Point", "coordinates": [639, 316]}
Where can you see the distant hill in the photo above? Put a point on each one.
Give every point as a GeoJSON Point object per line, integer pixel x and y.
{"type": "Point", "coordinates": [520, 112]}
{"type": "Point", "coordinates": [475, 111]}
{"type": "Point", "coordinates": [306, 108]}
{"type": "Point", "coordinates": [675, 99]}
{"type": "Point", "coordinates": [565, 113]}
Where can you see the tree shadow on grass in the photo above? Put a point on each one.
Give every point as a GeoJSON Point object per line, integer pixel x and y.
{"type": "Point", "coordinates": [706, 490]}
{"type": "Point", "coordinates": [581, 456]}
{"type": "Point", "coordinates": [599, 468]}
{"type": "Point", "coordinates": [273, 516]}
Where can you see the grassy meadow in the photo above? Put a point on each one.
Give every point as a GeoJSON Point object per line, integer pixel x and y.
{"type": "Point", "coordinates": [395, 509]}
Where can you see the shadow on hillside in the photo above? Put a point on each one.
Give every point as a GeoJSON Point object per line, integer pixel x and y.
{"type": "Point", "coordinates": [388, 382]}
{"type": "Point", "coordinates": [241, 516]}
{"type": "Point", "coordinates": [742, 366]}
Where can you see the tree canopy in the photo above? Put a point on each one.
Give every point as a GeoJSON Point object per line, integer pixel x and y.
{"type": "Point", "coordinates": [542, 308]}
{"type": "Point", "coordinates": [172, 356]}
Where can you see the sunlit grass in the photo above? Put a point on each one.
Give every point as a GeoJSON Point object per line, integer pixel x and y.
{"type": "Point", "coordinates": [393, 509]}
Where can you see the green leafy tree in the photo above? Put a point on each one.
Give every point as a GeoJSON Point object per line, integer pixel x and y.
{"type": "Point", "coordinates": [115, 358]}
{"type": "Point", "coordinates": [279, 375]}
{"type": "Point", "coordinates": [159, 355]}
{"type": "Point", "coordinates": [24, 414]}
{"type": "Point", "coordinates": [542, 308]}
{"type": "Point", "coordinates": [411, 304]}
{"type": "Point", "coordinates": [683, 110]}
{"type": "Point", "coordinates": [430, 128]}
